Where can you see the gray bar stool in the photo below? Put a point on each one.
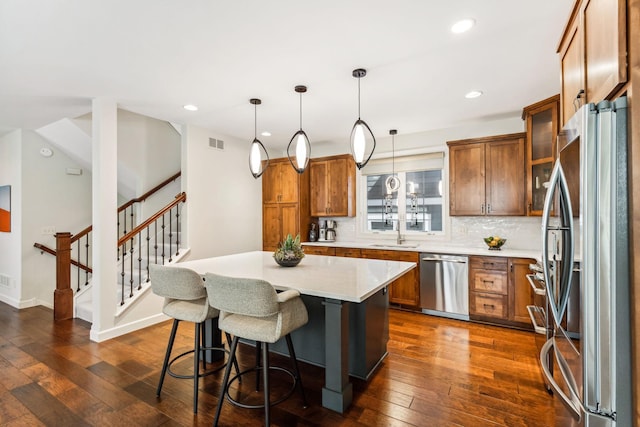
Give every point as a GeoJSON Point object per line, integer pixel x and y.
{"type": "Point", "coordinates": [185, 298]}
{"type": "Point", "coordinates": [253, 310]}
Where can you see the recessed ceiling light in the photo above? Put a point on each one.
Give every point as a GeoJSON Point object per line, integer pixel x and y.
{"type": "Point", "coordinates": [463, 25]}
{"type": "Point", "coordinates": [266, 133]}
{"type": "Point", "coordinates": [190, 107]}
{"type": "Point", "coordinates": [473, 94]}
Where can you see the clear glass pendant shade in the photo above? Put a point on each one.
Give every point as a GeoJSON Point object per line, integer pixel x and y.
{"type": "Point", "coordinates": [300, 147]}
{"type": "Point", "coordinates": [258, 158]}
{"type": "Point", "coordinates": [363, 143]}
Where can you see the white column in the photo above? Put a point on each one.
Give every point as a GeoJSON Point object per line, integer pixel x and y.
{"type": "Point", "coordinates": [105, 206]}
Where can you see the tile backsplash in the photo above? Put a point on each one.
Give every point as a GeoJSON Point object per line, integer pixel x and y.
{"type": "Point", "coordinates": [520, 232]}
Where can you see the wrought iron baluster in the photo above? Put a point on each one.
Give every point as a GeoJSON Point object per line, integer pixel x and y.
{"type": "Point", "coordinates": [148, 255]}
{"type": "Point", "coordinates": [162, 238]}
{"type": "Point", "coordinates": [140, 260]}
{"type": "Point", "coordinates": [177, 229]}
{"type": "Point", "coordinates": [86, 248]}
{"type": "Point", "coordinates": [131, 269]}
{"type": "Point", "coordinates": [122, 280]}
{"type": "Point", "coordinates": [155, 239]}
{"type": "Point", "coordinates": [170, 236]}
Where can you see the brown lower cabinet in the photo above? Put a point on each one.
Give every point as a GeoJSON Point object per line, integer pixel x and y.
{"type": "Point", "coordinates": [404, 291]}
{"type": "Point", "coordinates": [499, 291]}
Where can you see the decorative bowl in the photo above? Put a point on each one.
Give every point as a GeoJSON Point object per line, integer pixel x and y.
{"type": "Point", "coordinates": [288, 262]}
{"type": "Point", "coordinates": [494, 242]}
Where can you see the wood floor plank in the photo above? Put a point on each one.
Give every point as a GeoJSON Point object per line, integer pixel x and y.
{"type": "Point", "coordinates": [438, 372]}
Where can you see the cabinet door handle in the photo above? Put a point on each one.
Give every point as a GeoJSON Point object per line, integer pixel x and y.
{"type": "Point", "coordinates": [488, 208]}
{"type": "Point", "coordinates": [482, 209]}
{"type": "Point", "coordinates": [577, 101]}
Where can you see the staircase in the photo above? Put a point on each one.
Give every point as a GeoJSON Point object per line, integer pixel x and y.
{"type": "Point", "coordinates": [154, 240]}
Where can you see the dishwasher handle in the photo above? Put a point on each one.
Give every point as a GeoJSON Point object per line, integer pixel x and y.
{"type": "Point", "coordinates": [433, 259]}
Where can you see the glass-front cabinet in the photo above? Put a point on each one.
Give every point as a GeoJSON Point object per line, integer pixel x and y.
{"type": "Point", "coordinates": [542, 120]}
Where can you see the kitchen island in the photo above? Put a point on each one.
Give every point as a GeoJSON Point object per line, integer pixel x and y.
{"type": "Point", "coordinates": [347, 302]}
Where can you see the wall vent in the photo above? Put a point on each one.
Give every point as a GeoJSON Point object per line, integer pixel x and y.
{"type": "Point", "coordinates": [218, 144]}
{"type": "Point", "coordinates": [5, 281]}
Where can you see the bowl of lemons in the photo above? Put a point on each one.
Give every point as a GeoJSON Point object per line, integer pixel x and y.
{"type": "Point", "coordinates": [494, 242]}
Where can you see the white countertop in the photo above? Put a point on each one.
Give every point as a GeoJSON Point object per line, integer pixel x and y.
{"type": "Point", "coordinates": [345, 279]}
{"type": "Point", "coordinates": [434, 247]}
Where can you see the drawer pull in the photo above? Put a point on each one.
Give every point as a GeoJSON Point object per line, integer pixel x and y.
{"type": "Point", "coordinates": [489, 305]}
{"type": "Point", "coordinates": [488, 264]}
{"type": "Point", "coordinates": [487, 281]}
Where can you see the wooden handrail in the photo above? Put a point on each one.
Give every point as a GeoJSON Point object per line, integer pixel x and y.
{"type": "Point", "coordinates": [81, 234]}
{"type": "Point", "coordinates": [182, 197]}
{"type": "Point", "coordinates": [48, 250]}
{"type": "Point", "coordinates": [150, 192]}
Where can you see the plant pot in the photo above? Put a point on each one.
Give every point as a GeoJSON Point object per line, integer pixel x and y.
{"type": "Point", "coordinates": [289, 262]}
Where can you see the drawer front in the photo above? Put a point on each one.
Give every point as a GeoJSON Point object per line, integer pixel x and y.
{"type": "Point", "coordinates": [319, 250]}
{"type": "Point", "coordinates": [488, 305]}
{"type": "Point", "coordinates": [348, 252]}
{"type": "Point", "coordinates": [489, 281]}
{"type": "Point", "coordinates": [390, 255]}
{"type": "Point", "coordinates": [488, 263]}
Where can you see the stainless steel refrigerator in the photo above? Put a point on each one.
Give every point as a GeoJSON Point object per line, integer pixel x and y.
{"type": "Point", "coordinates": [586, 219]}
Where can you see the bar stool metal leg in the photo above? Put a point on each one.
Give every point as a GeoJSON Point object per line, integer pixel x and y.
{"type": "Point", "coordinates": [265, 374]}
{"type": "Point", "coordinates": [167, 355]}
{"type": "Point", "coordinates": [292, 356]}
{"type": "Point", "coordinates": [196, 367]}
{"type": "Point", "coordinates": [225, 380]}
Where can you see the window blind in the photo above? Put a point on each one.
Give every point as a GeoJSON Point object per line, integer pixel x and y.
{"type": "Point", "coordinates": [412, 163]}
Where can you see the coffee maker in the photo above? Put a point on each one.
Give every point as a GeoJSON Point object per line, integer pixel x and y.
{"type": "Point", "coordinates": [331, 230]}
{"type": "Point", "coordinates": [322, 235]}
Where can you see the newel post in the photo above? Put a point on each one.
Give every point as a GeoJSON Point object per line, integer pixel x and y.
{"type": "Point", "coordinates": [63, 295]}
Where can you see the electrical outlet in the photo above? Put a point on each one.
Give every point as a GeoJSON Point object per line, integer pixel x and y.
{"type": "Point", "coordinates": [49, 230]}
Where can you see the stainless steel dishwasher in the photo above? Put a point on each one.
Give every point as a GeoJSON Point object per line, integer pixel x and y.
{"type": "Point", "coordinates": [444, 285]}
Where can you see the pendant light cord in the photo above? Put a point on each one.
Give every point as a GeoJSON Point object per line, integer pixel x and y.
{"type": "Point", "coordinates": [300, 110]}
{"type": "Point", "coordinates": [358, 98]}
{"type": "Point", "coordinates": [255, 121]}
{"type": "Point", "coordinates": [393, 155]}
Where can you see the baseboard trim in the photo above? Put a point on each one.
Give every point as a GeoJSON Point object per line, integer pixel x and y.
{"type": "Point", "coordinates": [20, 304]}
{"type": "Point", "coordinates": [99, 336]}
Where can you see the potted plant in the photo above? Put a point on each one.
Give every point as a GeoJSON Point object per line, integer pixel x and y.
{"type": "Point", "coordinates": [289, 252]}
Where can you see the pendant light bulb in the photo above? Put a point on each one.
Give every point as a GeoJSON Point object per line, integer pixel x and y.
{"type": "Point", "coordinates": [363, 143]}
{"type": "Point", "coordinates": [299, 144]}
{"type": "Point", "coordinates": [258, 156]}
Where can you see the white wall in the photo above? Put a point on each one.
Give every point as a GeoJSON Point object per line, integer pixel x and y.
{"type": "Point", "coordinates": [224, 201]}
{"type": "Point", "coordinates": [50, 198]}
{"type": "Point", "coordinates": [11, 243]}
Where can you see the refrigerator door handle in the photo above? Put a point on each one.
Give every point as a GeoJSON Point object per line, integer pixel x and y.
{"type": "Point", "coordinates": [572, 403]}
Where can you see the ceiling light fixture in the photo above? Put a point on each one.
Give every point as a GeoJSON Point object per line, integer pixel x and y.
{"type": "Point", "coordinates": [363, 143]}
{"type": "Point", "coordinates": [473, 94]}
{"type": "Point", "coordinates": [190, 107]}
{"type": "Point", "coordinates": [463, 25]}
{"type": "Point", "coordinates": [393, 182]}
{"type": "Point", "coordinates": [258, 156]}
{"type": "Point", "coordinates": [302, 146]}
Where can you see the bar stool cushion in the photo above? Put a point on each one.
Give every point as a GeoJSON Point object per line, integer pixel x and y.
{"type": "Point", "coordinates": [252, 309]}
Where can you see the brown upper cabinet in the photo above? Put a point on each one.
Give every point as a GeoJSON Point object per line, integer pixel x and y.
{"type": "Point", "coordinates": [280, 182]}
{"type": "Point", "coordinates": [541, 121]}
{"type": "Point", "coordinates": [333, 186]}
{"type": "Point", "coordinates": [593, 54]}
{"type": "Point", "coordinates": [285, 203]}
{"type": "Point", "coordinates": [487, 176]}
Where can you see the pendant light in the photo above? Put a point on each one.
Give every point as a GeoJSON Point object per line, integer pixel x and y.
{"type": "Point", "coordinates": [393, 182]}
{"type": "Point", "coordinates": [300, 142]}
{"type": "Point", "coordinates": [258, 156]}
{"type": "Point", "coordinates": [363, 143]}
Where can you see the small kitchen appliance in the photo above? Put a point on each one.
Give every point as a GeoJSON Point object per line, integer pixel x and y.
{"type": "Point", "coordinates": [331, 230]}
{"type": "Point", "coordinates": [322, 232]}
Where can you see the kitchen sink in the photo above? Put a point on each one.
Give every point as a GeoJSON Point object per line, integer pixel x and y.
{"type": "Point", "coordinates": [394, 245]}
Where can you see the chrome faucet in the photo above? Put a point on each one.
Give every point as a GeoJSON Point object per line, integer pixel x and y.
{"type": "Point", "coordinates": [400, 238]}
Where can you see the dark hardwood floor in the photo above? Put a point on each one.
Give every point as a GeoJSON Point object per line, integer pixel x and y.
{"type": "Point", "coordinates": [439, 372]}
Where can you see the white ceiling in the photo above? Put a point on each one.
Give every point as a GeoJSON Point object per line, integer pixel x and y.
{"type": "Point", "coordinates": [154, 56]}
